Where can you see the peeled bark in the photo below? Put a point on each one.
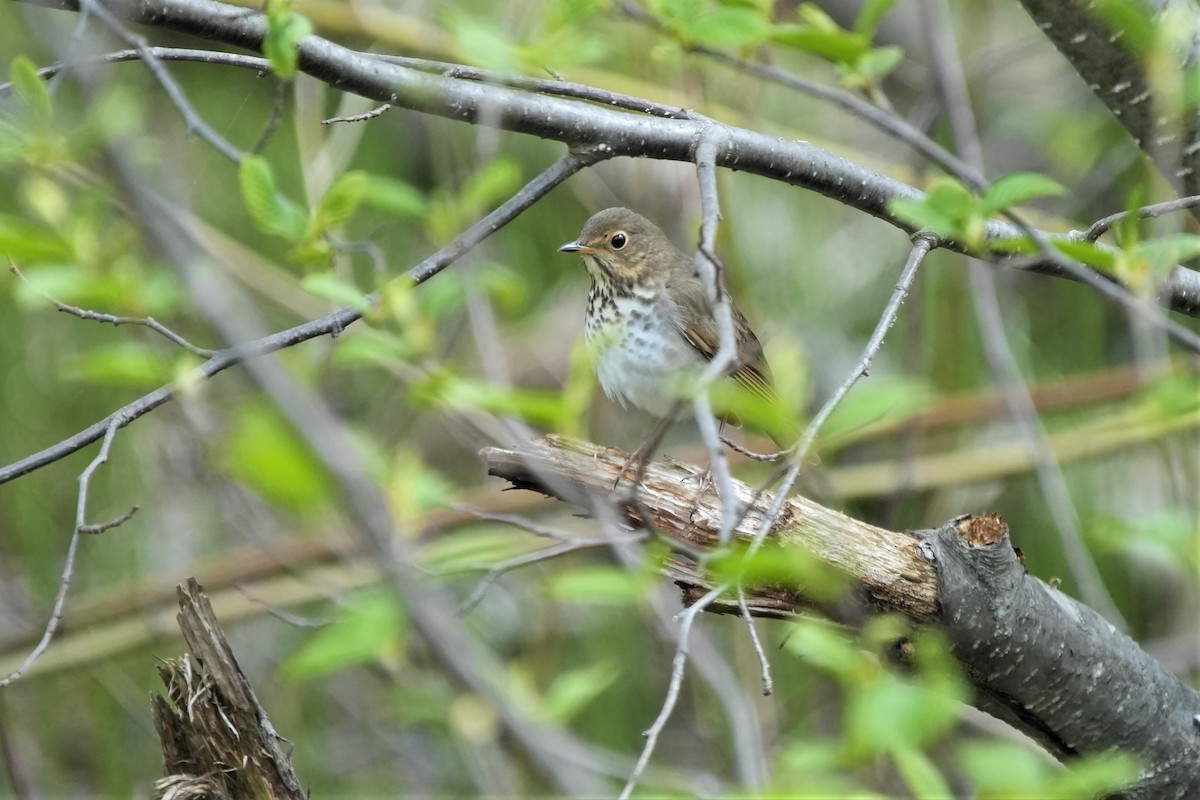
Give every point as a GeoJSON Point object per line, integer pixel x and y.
{"type": "Point", "coordinates": [216, 738]}
{"type": "Point", "coordinates": [1039, 660]}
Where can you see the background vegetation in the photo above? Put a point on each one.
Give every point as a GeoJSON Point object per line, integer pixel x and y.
{"type": "Point", "coordinates": [230, 493]}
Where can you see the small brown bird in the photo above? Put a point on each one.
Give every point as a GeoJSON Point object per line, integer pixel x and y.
{"type": "Point", "coordinates": [650, 322]}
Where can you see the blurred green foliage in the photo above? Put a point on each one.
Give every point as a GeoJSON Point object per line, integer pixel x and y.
{"type": "Point", "coordinates": [320, 217]}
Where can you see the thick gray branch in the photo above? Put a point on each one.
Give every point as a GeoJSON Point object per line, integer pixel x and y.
{"type": "Point", "coordinates": [578, 124]}
{"type": "Point", "coordinates": [1039, 660]}
{"type": "Point", "coordinates": [1055, 668]}
{"type": "Point", "coordinates": [1104, 58]}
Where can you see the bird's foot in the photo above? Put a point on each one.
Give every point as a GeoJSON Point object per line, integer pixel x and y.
{"type": "Point", "coordinates": [636, 460]}
{"type": "Point", "coordinates": [704, 482]}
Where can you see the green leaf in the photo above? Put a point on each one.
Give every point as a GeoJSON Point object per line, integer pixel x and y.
{"type": "Point", "coordinates": [1132, 21]}
{"type": "Point", "coordinates": [475, 548]}
{"type": "Point", "coordinates": [888, 713]}
{"type": "Point", "coordinates": [480, 41]}
{"type": "Point", "coordinates": [919, 772]}
{"type": "Point", "coordinates": [921, 216]}
{"type": "Point", "coordinates": [339, 203]}
{"type": "Point", "coordinates": [270, 211]}
{"type": "Point", "coordinates": [889, 400]}
{"type": "Point", "coordinates": [1100, 775]}
{"type": "Point", "coordinates": [602, 585]}
{"type": "Point", "coordinates": [776, 565]}
{"type": "Point", "coordinates": [370, 346]}
{"type": "Point", "coordinates": [838, 46]}
{"type": "Point", "coordinates": [30, 88]}
{"type": "Point", "coordinates": [332, 288]}
{"type": "Point", "coordinates": [445, 390]}
{"type": "Point", "coordinates": [949, 210]}
{"type": "Point", "coordinates": [876, 64]}
{"type": "Point", "coordinates": [263, 451]}
{"type": "Point", "coordinates": [1094, 255]}
{"type": "Point", "coordinates": [1017, 188]}
{"type": "Point", "coordinates": [830, 649]}
{"type": "Point", "coordinates": [24, 242]}
{"type": "Point", "coordinates": [394, 197]}
{"type": "Point", "coordinates": [1165, 252]}
{"type": "Point", "coordinates": [572, 691]}
{"type": "Point", "coordinates": [951, 198]}
{"type": "Point", "coordinates": [495, 181]}
{"type": "Point", "coordinates": [504, 285]}
{"type": "Point", "coordinates": [728, 27]}
{"type": "Point", "coordinates": [871, 14]}
{"type": "Point", "coordinates": [373, 628]}
{"type": "Point", "coordinates": [1170, 398]}
{"type": "Point", "coordinates": [281, 44]}
{"type": "Point", "coordinates": [1003, 769]}
{"type": "Point", "coordinates": [414, 487]}
{"type": "Point", "coordinates": [125, 364]}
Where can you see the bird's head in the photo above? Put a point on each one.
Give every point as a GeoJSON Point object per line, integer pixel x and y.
{"type": "Point", "coordinates": [621, 247]}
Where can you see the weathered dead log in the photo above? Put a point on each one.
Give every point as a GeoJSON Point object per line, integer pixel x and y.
{"type": "Point", "coordinates": [1041, 661]}
{"type": "Point", "coordinates": [216, 739]}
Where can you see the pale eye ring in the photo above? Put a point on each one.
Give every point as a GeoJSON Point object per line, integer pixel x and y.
{"type": "Point", "coordinates": [618, 240]}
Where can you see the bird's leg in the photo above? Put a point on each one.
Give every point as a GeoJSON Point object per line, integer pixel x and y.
{"type": "Point", "coordinates": [704, 480]}
{"type": "Point", "coordinates": [641, 456]}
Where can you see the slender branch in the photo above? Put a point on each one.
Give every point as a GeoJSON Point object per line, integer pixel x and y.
{"type": "Point", "coordinates": [885, 120]}
{"type": "Point", "coordinates": [668, 707]}
{"type": "Point", "coordinates": [378, 111]}
{"type": "Point", "coordinates": [495, 571]}
{"type": "Point", "coordinates": [922, 244]}
{"type": "Point", "coordinates": [764, 664]}
{"type": "Point", "coordinates": [708, 267]}
{"type": "Point", "coordinates": [95, 316]}
{"type": "Point", "coordinates": [174, 91]}
{"type": "Point", "coordinates": [331, 324]}
{"type": "Point", "coordinates": [68, 571]}
{"type": "Point", "coordinates": [117, 522]}
{"type": "Point", "coordinates": [256, 63]}
{"type": "Point", "coordinates": [555, 88]}
{"type": "Point", "coordinates": [1104, 224]}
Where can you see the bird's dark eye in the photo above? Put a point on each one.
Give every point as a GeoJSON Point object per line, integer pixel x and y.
{"type": "Point", "coordinates": [618, 240]}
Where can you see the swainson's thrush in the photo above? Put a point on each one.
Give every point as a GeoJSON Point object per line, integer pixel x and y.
{"type": "Point", "coordinates": [649, 319]}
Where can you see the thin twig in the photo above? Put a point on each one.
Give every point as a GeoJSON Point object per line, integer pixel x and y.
{"type": "Point", "coordinates": [92, 530]}
{"type": "Point", "coordinates": [764, 664]}
{"type": "Point", "coordinates": [495, 571]}
{"type": "Point", "coordinates": [256, 63]}
{"type": "Point", "coordinates": [751, 454]}
{"type": "Point", "coordinates": [708, 267]}
{"type": "Point", "coordinates": [516, 521]}
{"type": "Point", "coordinates": [96, 316]}
{"type": "Point", "coordinates": [379, 111]}
{"type": "Point", "coordinates": [68, 571]}
{"type": "Point", "coordinates": [282, 89]}
{"type": "Point", "coordinates": [193, 119]}
{"type": "Point", "coordinates": [557, 87]}
{"type": "Point", "coordinates": [688, 618]}
{"type": "Point", "coordinates": [1103, 225]}
{"type": "Point", "coordinates": [922, 244]}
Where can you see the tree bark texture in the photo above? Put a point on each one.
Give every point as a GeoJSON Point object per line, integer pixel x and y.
{"type": "Point", "coordinates": [1105, 54]}
{"type": "Point", "coordinates": [216, 739]}
{"type": "Point", "coordinates": [1039, 660]}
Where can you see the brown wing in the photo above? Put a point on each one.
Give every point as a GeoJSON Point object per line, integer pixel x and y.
{"type": "Point", "coordinates": [699, 327]}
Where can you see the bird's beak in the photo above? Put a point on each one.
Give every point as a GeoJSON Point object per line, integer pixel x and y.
{"type": "Point", "coordinates": [576, 247]}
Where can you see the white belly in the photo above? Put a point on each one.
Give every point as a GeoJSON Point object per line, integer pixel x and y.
{"type": "Point", "coordinates": [643, 361]}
